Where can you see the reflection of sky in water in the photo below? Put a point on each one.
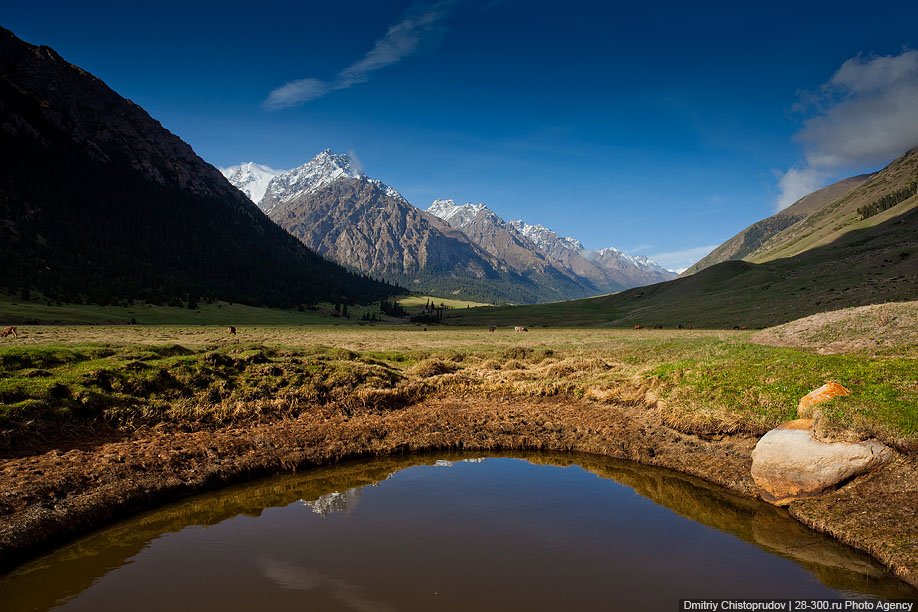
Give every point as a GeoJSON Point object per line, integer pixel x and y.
{"type": "Point", "coordinates": [455, 534]}
{"type": "Point", "coordinates": [289, 576]}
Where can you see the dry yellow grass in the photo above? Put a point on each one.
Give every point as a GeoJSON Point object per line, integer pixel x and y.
{"type": "Point", "coordinates": [884, 328]}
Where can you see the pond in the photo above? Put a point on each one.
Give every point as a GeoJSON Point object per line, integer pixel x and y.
{"type": "Point", "coordinates": [450, 532]}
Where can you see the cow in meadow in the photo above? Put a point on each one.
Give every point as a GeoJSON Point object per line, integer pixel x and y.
{"type": "Point", "coordinates": [492, 328]}
{"type": "Point", "coordinates": [231, 330]}
{"type": "Point", "coordinates": [9, 331]}
{"type": "Point", "coordinates": [520, 328]}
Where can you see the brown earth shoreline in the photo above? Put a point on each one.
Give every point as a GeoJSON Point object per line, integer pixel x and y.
{"type": "Point", "coordinates": [49, 498]}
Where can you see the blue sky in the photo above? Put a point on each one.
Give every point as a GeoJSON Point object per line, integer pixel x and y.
{"type": "Point", "coordinates": [660, 129]}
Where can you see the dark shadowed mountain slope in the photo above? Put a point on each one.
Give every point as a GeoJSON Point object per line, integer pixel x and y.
{"type": "Point", "coordinates": [99, 202]}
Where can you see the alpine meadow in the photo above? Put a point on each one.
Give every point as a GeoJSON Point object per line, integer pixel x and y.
{"type": "Point", "coordinates": [458, 304]}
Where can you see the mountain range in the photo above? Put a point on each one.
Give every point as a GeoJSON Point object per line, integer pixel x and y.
{"type": "Point", "coordinates": [464, 250]}
{"type": "Point", "coordinates": [100, 203]}
{"type": "Point", "coordinates": [852, 243]}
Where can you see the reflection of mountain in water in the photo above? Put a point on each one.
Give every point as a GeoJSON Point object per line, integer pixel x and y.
{"type": "Point", "coordinates": [68, 571]}
{"type": "Point", "coordinates": [333, 502]}
{"type": "Point", "coordinates": [338, 501]}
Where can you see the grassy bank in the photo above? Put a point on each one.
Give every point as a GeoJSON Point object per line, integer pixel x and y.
{"type": "Point", "coordinates": [55, 380]}
{"type": "Point", "coordinates": [37, 310]}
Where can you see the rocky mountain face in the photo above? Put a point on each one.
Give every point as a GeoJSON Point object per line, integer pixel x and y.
{"type": "Point", "coordinates": [508, 244]}
{"type": "Point", "coordinates": [607, 267]}
{"type": "Point", "coordinates": [465, 250]}
{"type": "Point", "coordinates": [368, 226]}
{"type": "Point", "coordinates": [100, 203]}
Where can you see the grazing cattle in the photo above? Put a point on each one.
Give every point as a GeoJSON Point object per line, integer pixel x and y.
{"type": "Point", "coordinates": [9, 331]}
{"type": "Point", "coordinates": [231, 330]}
{"type": "Point", "coordinates": [520, 328]}
{"type": "Point", "coordinates": [680, 326]}
{"type": "Point", "coordinates": [658, 327]}
{"type": "Point", "coordinates": [736, 327]}
{"type": "Point", "coordinates": [638, 326]}
{"type": "Point", "coordinates": [492, 328]}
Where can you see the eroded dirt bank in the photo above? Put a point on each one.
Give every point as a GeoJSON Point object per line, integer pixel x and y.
{"type": "Point", "coordinates": [50, 497]}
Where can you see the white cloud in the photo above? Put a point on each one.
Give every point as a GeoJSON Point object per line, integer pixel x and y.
{"type": "Point", "coordinates": [865, 115]}
{"type": "Point", "coordinates": [295, 93]}
{"type": "Point", "coordinates": [676, 260]}
{"type": "Point", "coordinates": [356, 164]}
{"type": "Point", "coordinates": [798, 182]}
{"type": "Point", "coordinates": [401, 40]}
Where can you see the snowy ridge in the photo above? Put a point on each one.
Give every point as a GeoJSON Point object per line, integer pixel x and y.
{"type": "Point", "coordinates": [324, 169]}
{"type": "Point", "coordinates": [460, 216]}
{"type": "Point", "coordinates": [250, 178]}
{"type": "Point", "coordinates": [645, 263]}
{"type": "Point", "coordinates": [336, 501]}
{"type": "Point", "coordinates": [545, 238]}
{"type": "Point", "coordinates": [276, 187]}
{"type": "Point", "coordinates": [635, 268]}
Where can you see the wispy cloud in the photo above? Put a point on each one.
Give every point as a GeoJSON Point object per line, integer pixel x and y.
{"type": "Point", "coordinates": [680, 260]}
{"type": "Point", "coordinates": [866, 114]}
{"type": "Point", "coordinates": [422, 26]}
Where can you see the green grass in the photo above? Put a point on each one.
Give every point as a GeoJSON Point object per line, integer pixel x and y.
{"type": "Point", "coordinates": [216, 313]}
{"type": "Point", "coordinates": [706, 382]}
{"type": "Point", "coordinates": [416, 303]}
{"type": "Point", "coordinates": [39, 311]}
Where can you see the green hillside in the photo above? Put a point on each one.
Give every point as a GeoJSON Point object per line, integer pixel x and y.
{"type": "Point", "coordinates": [753, 237]}
{"type": "Point", "coordinates": [865, 266]}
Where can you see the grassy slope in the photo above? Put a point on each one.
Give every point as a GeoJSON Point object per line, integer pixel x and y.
{"type": "Point", "coordinates": [835, 220]}
{"type": "Point", "coordinates": [753, 237]}
{"type": "Point", "coordinates": [416, 303]}
{"type": "Point", "coordinates": [57, 378]}
{"type": "Point", "coordinates": [865, 266]}
{"type": "Point", "coordinates": [14, 311]}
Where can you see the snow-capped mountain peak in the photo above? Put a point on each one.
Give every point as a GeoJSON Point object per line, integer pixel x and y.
{"type": "Point", "coordinates": [459, 216]}
{"type": "Point", "coordinates": [545, 238]}
{"type": "Point", "coordinates": [268, 187]}
{"type": "Point", "coordinates": [251, 178]}
{"type": "Point", "coordinates": [321, 170]}
{"type": "Point", "coordinates": [610, 254]}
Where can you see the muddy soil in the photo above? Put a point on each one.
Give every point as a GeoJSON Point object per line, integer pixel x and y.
{"type": "Point", "coordinates": [56, 495]}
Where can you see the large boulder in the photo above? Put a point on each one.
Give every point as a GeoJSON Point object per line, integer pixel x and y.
{"type": "Point", "coordinates": [817, 396]}
{"type": "Point", "coordinates": [789, 463]}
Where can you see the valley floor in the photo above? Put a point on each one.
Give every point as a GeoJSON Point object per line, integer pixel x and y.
{"type": "Point", "coordinates": [98, 422]}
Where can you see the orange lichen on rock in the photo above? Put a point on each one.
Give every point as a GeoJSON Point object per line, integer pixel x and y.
{"type": "Point", "coordinates": [822, 394]}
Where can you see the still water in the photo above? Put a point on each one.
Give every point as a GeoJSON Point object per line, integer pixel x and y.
{"type": "Point", "coordinates": [450, 532]}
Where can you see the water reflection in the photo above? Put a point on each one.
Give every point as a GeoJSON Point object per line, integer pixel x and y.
{"type": "Point", "coordinates": [360, 549]}
{"type": "Point", "coordinates": [298, 578]}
